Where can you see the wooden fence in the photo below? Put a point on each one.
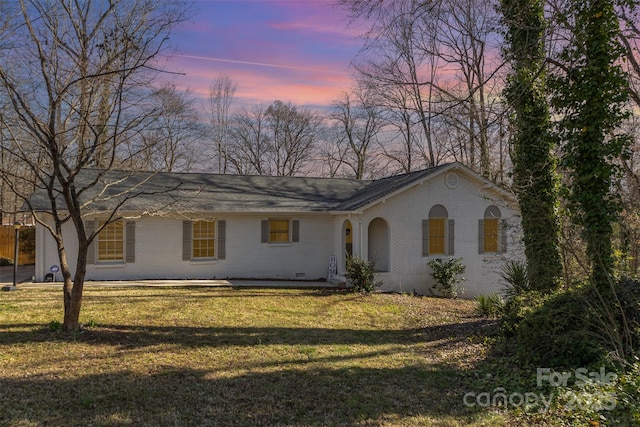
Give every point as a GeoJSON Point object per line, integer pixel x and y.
{"type": "Point", "coordinates": [27, 253]}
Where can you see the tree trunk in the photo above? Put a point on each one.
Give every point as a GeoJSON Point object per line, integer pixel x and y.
{"type": "Point", "coordinates": [73, 292]}
{"type": "Point", "coordinates": [534, 165]}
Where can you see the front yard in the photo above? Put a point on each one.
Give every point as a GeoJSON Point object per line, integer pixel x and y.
{"type": "Point", "coordinates": [241, 357]}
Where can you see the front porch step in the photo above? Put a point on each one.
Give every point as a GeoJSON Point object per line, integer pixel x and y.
{"type": "Point", "coordinates": [338, 281]}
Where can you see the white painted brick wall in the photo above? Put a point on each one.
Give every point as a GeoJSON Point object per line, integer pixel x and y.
{"type": "Point", "coordinates": [159, 244]}
{"type": "Point", "coordinates": [159, 252]}
{"type": "Point", "coordinates": [466, 205]}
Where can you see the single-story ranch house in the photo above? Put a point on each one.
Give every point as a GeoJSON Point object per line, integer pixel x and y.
{"type": "Point", "coordinates": [209, 226]}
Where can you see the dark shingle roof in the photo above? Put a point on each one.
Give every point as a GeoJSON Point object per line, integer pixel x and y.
{"type": "Point", "coordinates": [380, 188]}
{"type": "Point", "coordinates": [197, 192]}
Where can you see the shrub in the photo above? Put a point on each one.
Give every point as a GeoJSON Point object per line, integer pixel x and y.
{"type": "Point", "coordinates": [4, 262]}
{"type": "Point", "coordinates": [577, 328]}
{"type": "Point", "coordinates": [516, 276]}
{"type": "Point", "coordinates": [361, 274]}
{"type": "Point", "coordinates": [489, 305]}
{"type": "Point", "coordinates": [607, 401]}
{"type": "Point", "coordinates": [447, 275]}
{"type": "Point", "coordinates": [558, 333]}
{"type": "Point", "coordinates": [516, 308]}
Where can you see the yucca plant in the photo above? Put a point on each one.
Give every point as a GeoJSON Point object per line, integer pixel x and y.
{"type": "Point", "coordinates": [489, 305]}
{"type": "Point", "coordinates": [517, 278]}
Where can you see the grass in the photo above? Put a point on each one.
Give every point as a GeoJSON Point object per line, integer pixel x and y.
{"type": "Point", "coordinates": [240, 357]}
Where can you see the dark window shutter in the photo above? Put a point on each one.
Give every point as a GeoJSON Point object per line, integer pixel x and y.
{"type": "Point", "coordinates": [131, 242]}
{"type": "Point", "coordinates": [503, 236]}
{"type": "Point", "coordinates": [425, 237]}
{"type": "Point", "coordinates": [295, 230]}
{"type": "Point", "coordinates": [481, 236]}
{"type": "Point", "coordinates": [452, 226]}
{"type": "Point", "coordinates": [222, 239]}
{"type": "Point", "coordinates": [264, 231]}
{"type": "Point", "coordinates": [90, 228]}
{"type": "Point", "coordinates": [186, 240]}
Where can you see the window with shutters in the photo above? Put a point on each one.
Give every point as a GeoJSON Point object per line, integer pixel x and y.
{"type": "Point", "coordinates": [436, 236]}
{"type": "Point", "coordinates": [204, 239]}
{"type": "Point", "coordinates": [280, 230]}
{"type": "Point", "coordinates": [492, 237]}
{"type": "Point", "coordinates": [438, 232]}
{"type": "Point", "coordinates": [111, 242]}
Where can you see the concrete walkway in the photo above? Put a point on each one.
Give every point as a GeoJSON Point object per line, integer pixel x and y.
{"type": "Point", "coordinates": [296, 284]}
{"type": "Point", "coordinates": [26, 273]}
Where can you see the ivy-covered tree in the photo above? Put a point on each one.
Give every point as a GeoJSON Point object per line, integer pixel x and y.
{"type": "Point", "coordinates": [590, 96]}
{"type": "Point", "coordinates": [534, 178]}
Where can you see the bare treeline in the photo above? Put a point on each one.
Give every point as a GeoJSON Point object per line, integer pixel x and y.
{"type": "Point", "coordinates": [427, 89]}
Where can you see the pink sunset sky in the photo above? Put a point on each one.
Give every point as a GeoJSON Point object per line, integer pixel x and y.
{"type": "Point", "coordinates": [296, 51]}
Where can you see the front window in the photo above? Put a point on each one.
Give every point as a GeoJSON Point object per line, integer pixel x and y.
{"type": "Point", "coordinates": [204, 235]}
{"type": "Point", "coordinates": [438, 230]}
{"type": "Point", "coordinates": [436, 236]}
{"type": "Point", "coordinates": [278, 230]}
{"type": "Point", "coordinates": [491, 230]}
{"type": "Point", "coordinates": [111, 242]}
{"type": "Point", "coordinates": [491, 234]}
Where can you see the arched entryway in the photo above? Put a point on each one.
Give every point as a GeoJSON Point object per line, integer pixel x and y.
{"type": "Point", "coordinates": [378, 238]}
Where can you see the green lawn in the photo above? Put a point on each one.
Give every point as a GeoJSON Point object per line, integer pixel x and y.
{"type": "Point", "coordinates": [240, 357]}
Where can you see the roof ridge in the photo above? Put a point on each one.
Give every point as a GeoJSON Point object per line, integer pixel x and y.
{"type": "Point", "coordinates": [174, 173]}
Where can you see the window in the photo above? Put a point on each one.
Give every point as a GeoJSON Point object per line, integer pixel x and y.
{"type": "Point", "coordinates": [436, 236]}
{"type": "Point", "coordinates": [492, 236]}
{"type": "Point", "coordinates": [438, 232]}
{"type": "Point", "coordinates": [111, 242]}
{"type": "Point", "coordinates": [279, 230]}
{"type": "Point", "coordinates": [203, 242]}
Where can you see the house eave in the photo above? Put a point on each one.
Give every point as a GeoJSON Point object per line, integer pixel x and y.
{"type": "Point", "coordinates": [346, 212]}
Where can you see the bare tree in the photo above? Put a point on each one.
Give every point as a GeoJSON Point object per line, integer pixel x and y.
{"type": "Point", "coordinates": [360, 120]}
{"type": "Point", "coordinates": [249, 143]}
{"type": "Point", "coordinates": [294, 133]}
{"type": "Point", "coordinates": [74, 75]}
{"type": "Point", "coordinates": [438, 53]}
{"type": "Point", "coordinates": [172, 141]}
{"type": "Point", "coordinates": [277, 140]}
{"type": "Point", "coordinates": [221, 95]}
{"type": "Point", "coordinates": [405, 142]}
{"type": "Point", "coordinates": [465, 46]}
{"type": "Point", "coordinates": [332, 152]}
{"type": "Point", "coordinates": [401, 70]}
